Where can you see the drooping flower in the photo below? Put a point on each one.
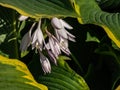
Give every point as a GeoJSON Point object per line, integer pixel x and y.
{"type": "Point", "coordinates": [26, 40]}
{"type": "Point", "coordinates": [45, 63]}
{"type": "Point", "coordinates": [53, 47]}
{"type": "Point", "coordinates": [62, 34]}
{"type": "Point", "coordinates": [60, 27]}
{"type": "Point", "coordinates": [37, 38]}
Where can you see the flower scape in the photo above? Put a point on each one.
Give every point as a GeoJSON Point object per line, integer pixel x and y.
{"type": "Point", "coordinates": [56, 44]}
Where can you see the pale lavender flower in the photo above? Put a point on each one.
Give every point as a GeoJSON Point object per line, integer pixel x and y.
{"type": "Point", "coordinates": [53, 44]}
{"type": "Point", "coordinates": [37, 41]}
{"type": "Point", "coordinates": [60, 27]}
{"type": "Point", "coordinates": [64, 46]}
{"type": "Point", "coordinates": [37, 38]}
{"type": "Point", "coordinates": [52, 56]}
{"type": "Point", "coordinates": [26, 40]}
{"type": "Point", "coordinates": [45, 63]}
{"type": "Point", "coordinates": [22, 18]}
{"type": "Point", "coordinates": [53, 47]}
{"type": "Point", "coordinates": [62, 34]}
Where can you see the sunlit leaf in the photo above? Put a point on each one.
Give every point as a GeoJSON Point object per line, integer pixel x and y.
{"type": "Point", "coordinates": [91, 13]}
{"type": "Point", "coordinates": [41, 8]}
{"type": "Point", "coordinates": [118, 88]}
{"type": "Point", "coordinates": [14, 75]}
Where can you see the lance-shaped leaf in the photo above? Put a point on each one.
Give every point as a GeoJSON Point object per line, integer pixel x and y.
{"type": "Point", "coordinates": [38, 8]}
{"type": "Point", "coordinates": [14, 75]}
{"type": "Point", "coordinates": [91, 13]}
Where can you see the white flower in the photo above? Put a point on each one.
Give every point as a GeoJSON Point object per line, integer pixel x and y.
{"type": "Point", "coordinates": [37, 38]}
{"type": "Point", "coordinates": [62, 34]}
{"type": "Point", "coordinates": [64, 46]}
{"type": "Point", "coordinates": [22, 18]}
{"type": "Point", "coordinates": [26, 40]}
{"type": "Point", "coordinates": [59, 25]}
{"type": "Point", "coordinates": [52, 56]}
{"type": "Point", "coordinates": [45, 63]}
{"type": "Point", "coordinates": [53, 47]}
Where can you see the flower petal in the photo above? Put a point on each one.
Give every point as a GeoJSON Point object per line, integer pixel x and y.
{"type": "Point", "coordinates": [52, 57]}
{"type": "Point", "coordinates": [64, 46]}
{"type": "Point", "coordinates": [65, 24]}
{"type": "Point", "coordinates": [56, 23]}
{"type": "Point", "coordinates": [45, 63]}
{"type": "Point", "coordinates": [53, 44]}
{"type": "Point", "coordinates": [54, 47]}
{"type": "Point", "coordinates": [25, 42]}
{"type": "Point", "coordinates": [34, 37]}
{"type": "Point", "coordinates": [71, 39]}
{"type": "Point", "coordinates": [62, 33]}
{"type": "Point", "coordinates": [22, 18]}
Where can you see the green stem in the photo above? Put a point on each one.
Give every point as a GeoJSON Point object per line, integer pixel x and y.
{"type": "Point", "coordinates": [77, 63]}
{"type": "Point", "coordinates": [16, 55]}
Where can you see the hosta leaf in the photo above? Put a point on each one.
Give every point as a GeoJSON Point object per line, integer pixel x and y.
{"type": "Point", "coordinates": [40, 8]}
{"type": "Point", "coordinates": [14, 75]}
{"type": "Point", "coordinates": [91, 13]}
{"type": "Point", "coordinates": [63, 78]}
{"type": "Point", "coordinates": [118, 88]}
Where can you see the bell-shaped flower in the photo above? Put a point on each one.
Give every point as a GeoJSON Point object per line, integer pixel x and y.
{"type": "Point", "coordinates": [45, 63]}
{"type": "Point", "coordinates": [22, 18]}
{"type": "Point", "coordinates": [62, 34]}
{"type": "Point", "coordinates": [52, 56]}
{"type": "Point", "coordinates": [64, 46]}
{"type": "Point", "coordinates": [26, 40]}
{"type": "Point", "coordinates": [53, 47]}
{"type": "Point", "coordinates": [37, 38]}
{"type": "Point", "coordinates": [60, 27]}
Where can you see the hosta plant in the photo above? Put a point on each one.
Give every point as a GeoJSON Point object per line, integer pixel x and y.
{"type": "Point", "coordinates": [59, 44]}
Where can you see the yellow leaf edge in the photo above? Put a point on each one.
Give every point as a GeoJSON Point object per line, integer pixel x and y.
{"type": "Point", "coordinates": [23, 68]}
{"type": "Point", "coordinates": [20, 11]}
{"type": "Point", "coordinates": [111, 35]}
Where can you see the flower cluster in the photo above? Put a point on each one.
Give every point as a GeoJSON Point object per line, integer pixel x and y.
{"type": "Point", "coordinates": [56, 44]}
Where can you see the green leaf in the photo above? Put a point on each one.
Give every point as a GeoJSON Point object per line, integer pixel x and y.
{"type": "Point", "coordinates": [2, 38]}
{"type": "Point", "coordinates": [63, 78]}
{"type": "Point", "coordinates": [14, 75]}
{"type": "Point", "coordinates": [91, 38]}
{"type": "Point", "coordinates": [91, 13]}
{"type": "Point", "coordinates": [41, 8]}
